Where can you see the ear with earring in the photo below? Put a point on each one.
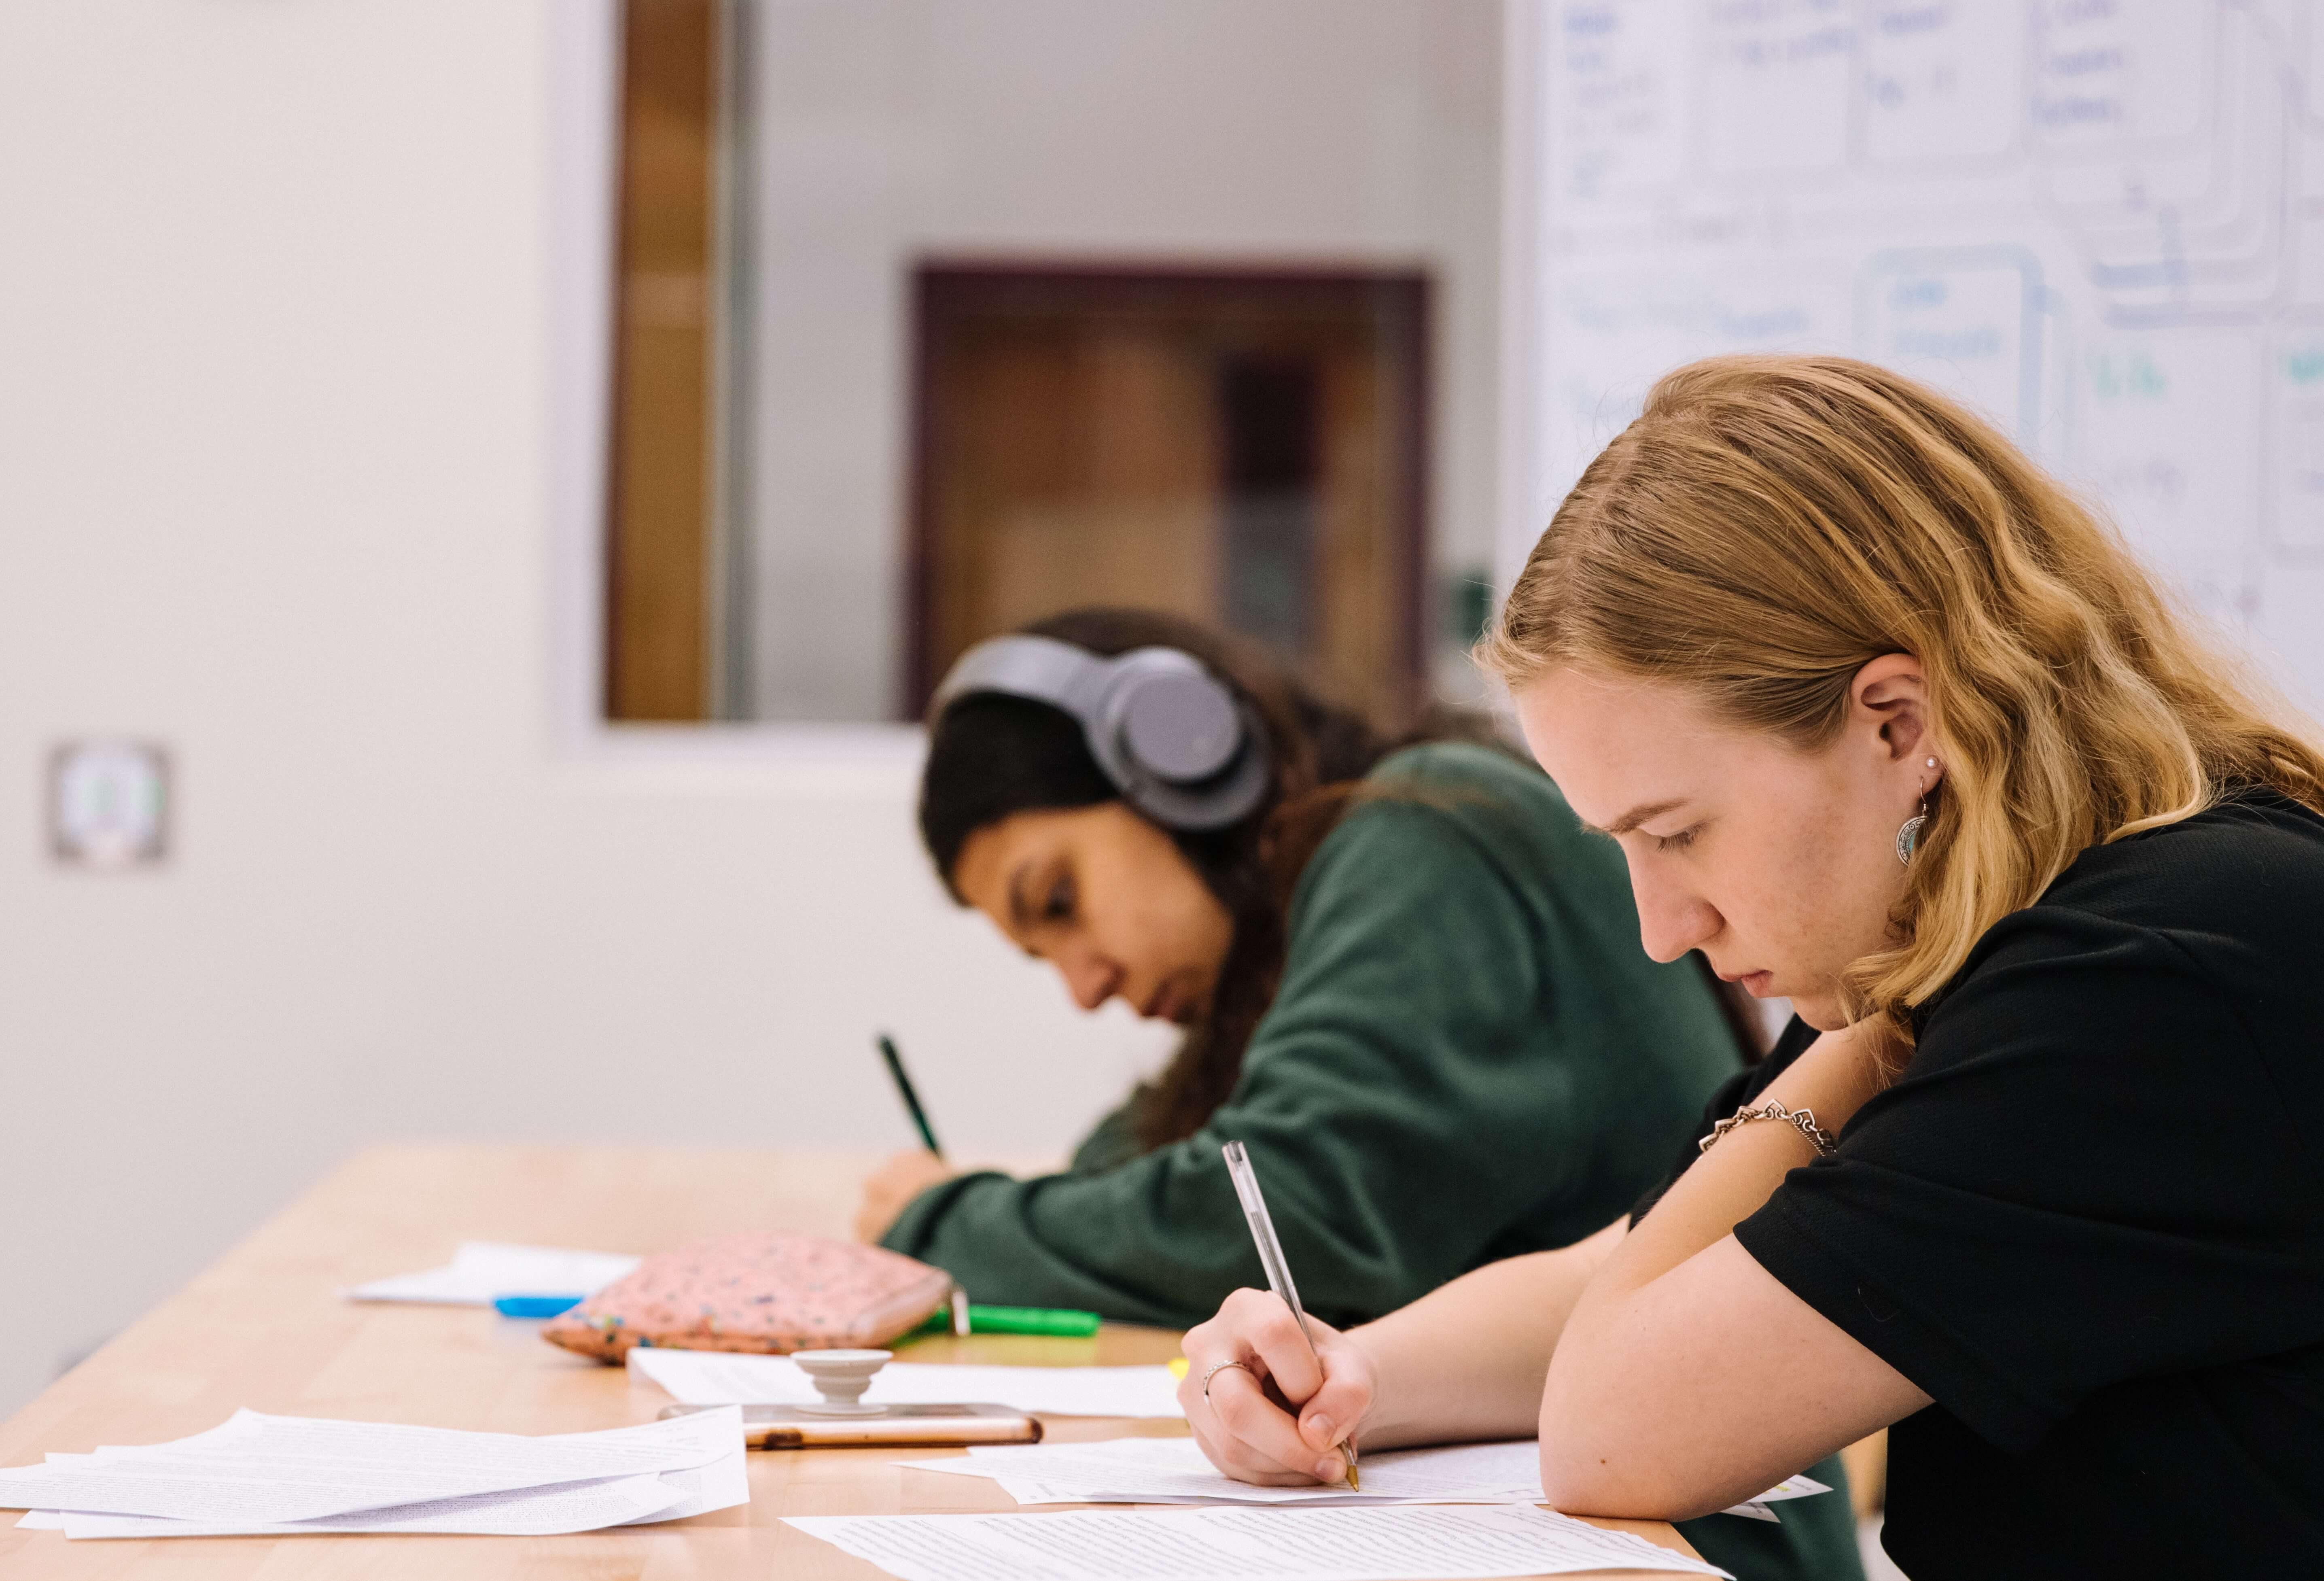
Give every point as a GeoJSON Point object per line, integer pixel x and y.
{"type": "Point", "coordinates": [1909, 835]}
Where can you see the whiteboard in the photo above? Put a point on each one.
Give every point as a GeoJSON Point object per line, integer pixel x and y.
{"type": "Point", "coordinates": [2099, 221]}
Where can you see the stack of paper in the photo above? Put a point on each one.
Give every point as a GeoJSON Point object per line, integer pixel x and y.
{"type": "Point", "coordinates": [1233, 1545]}
{"type": "Point", "coordinates": [1173, 1471]}
{"type": "Point", "coordinates": [722, 1378]}
{"type": "Point", "coordinates": [270, 1476]}
{"type": "Point", "coordinates": [481, 1271]}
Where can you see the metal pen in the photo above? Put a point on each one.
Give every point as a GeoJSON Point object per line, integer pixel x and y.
{"type": "Point", "coordinates": [1278, 1273]}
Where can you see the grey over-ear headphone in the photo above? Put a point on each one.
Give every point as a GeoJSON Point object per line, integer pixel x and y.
{"type": "Point", "coordinates": [1177, 743]}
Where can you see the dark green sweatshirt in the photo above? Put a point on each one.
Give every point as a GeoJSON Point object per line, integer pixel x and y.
{"type": "Point", "coordinates": [1469, 1057]}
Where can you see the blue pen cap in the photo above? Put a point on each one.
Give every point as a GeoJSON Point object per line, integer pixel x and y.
{"type": "Point", "coordinates": [535, 1306]}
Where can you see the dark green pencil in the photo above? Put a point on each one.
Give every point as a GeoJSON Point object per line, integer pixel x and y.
{"type": "Point", "coordinates": [904, 1089]}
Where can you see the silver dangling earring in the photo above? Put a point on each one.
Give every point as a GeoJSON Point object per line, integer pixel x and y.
{"type": "Point", "coordinates": [1909, 835]}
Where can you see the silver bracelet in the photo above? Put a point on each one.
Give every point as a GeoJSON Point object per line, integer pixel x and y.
{"type": "Point", "coordinates": [1802, 1121]}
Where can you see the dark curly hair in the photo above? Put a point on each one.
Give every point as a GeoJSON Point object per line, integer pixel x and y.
{"type": "Point", "coordinates": [992, 756]}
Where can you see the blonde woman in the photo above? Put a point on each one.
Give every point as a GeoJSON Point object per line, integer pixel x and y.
{"type": "Point", "coordinates": [1884, 721]}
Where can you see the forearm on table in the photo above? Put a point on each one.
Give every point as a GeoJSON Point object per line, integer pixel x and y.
{"type": "Point", "coordinates": [1467, 1360]}
{"type": "Point", "coordinates": [1086, 1249]}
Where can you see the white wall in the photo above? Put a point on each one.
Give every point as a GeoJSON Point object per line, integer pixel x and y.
{"type": "Point", "coordinates": [277, 486]}
{"type": "Point", "coordinates": [1164, 132]}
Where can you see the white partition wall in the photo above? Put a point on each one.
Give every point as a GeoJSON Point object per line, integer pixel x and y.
{"type": "Point", "coordinates": [297, 430]}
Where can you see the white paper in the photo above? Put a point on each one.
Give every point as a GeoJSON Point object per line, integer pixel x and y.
{"type": "Point", "coordinates": [1792, 1487]}
{"type": "Point", "coordinates": [1175, 1471]}
{"type": "Point", "coordinates": [565, 1507]}
{"type": "Point", "coordinates": [722, 1378]}
{"type": "Point", "coordinates": [549, 1512]}
{"type": "Point", "coordinates": [1027, 1491]}
{"type": "Point", "coordinates": [1391, 1544]}
{"type": "Point", "coordinates": [1760, 1507]}
{"type": "Point", "coordinates": [481, 1271]}
{"type": "Point", "coordinates": [721, 1484]}
{"type": "Point", "coordinates": [266, 1470]}
{"type": "Point", "coordinates": [1159, 1471]}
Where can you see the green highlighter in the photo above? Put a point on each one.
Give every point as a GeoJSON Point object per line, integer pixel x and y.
{"type": "Point", "coordinates": [1049, 1320]}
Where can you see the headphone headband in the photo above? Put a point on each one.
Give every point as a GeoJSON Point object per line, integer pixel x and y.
{"type": "Point", "coordinates": [1177, 743]}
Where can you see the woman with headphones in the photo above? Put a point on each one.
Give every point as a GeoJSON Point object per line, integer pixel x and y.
{"type": "Point", "coordinates": [1884, 721]}
{"type": "Point", "coordinates": [1410, 984]}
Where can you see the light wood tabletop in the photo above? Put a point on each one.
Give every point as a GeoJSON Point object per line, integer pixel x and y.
{"type": "Point", "coordinates": [266, 1328]}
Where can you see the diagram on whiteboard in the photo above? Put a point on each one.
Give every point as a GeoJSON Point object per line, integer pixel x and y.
{"type": "Point", "coordinates": [2100, 221]}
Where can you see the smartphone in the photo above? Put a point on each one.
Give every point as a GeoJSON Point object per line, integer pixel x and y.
{"type": "Point", "coordinates": [786, 1427]}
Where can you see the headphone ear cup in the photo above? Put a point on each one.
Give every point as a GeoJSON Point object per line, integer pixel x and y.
{"type": "Point", "coordinates": [1230, 797]}
{"type": "Point", "coordinates": [1180, 728]}
{"type": "Point", "coordinates": [1185, 750]}
{"type": "Point", "coordinates": [1173, 737]}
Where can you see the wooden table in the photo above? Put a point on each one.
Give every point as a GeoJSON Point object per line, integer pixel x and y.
{"type": "Point", "coordinates": [265, 1328]}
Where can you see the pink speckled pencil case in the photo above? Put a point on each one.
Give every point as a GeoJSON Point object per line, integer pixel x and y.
{"type": "Point", "coordinates": [757, 1292]}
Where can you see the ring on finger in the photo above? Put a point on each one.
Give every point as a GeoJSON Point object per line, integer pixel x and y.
{"type": "Point", "coordinates": [1214, 1372]}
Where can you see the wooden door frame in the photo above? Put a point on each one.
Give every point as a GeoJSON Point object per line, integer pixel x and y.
{"type": "Point", "coordinates": [665, 272]}
{"type": "Point", "coordinates": [945, 287]}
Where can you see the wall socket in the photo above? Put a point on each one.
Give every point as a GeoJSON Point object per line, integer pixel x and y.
{"type": "Point", "coordinates": [109, 804]}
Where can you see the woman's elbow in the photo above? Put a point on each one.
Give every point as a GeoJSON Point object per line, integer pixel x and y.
{"type": "Point", "coordinates": [1613, 1443]}
{"type": "Point", "coordinates": [1580, 1474]}
{"type": "Point", "coordinates": [1603, 1468]}
{"type": "Point", "coordinates": [1578, 1481]}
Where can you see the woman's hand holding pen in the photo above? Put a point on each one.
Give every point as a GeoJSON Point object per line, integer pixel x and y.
{"type": "Point", "coordinates": [890, 1189]}
{"type": "Point", "coordinates": [1462, 1365]}
{"type": "Point", "coordinates": [1260, 1407]}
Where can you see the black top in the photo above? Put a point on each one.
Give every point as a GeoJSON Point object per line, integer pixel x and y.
{"type": "Point", "coordinates": [2089, 1220]}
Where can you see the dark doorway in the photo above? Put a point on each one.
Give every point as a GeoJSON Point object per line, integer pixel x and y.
{"type": "Point", "coordinates": [1243, 448]}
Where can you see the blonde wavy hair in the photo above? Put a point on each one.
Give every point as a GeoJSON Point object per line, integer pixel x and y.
{"type": "Point", "coordinates": [1769, 525]}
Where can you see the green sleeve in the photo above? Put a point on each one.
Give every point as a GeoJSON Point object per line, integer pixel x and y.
{"type": "Point", "coordinates": [1112, 1141]}
{"type": "Point", "coordinates": [1399, 1100]}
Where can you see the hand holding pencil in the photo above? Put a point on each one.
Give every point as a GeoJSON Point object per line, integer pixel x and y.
{"type": "Point", "coordinates": [1273, 1395]}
